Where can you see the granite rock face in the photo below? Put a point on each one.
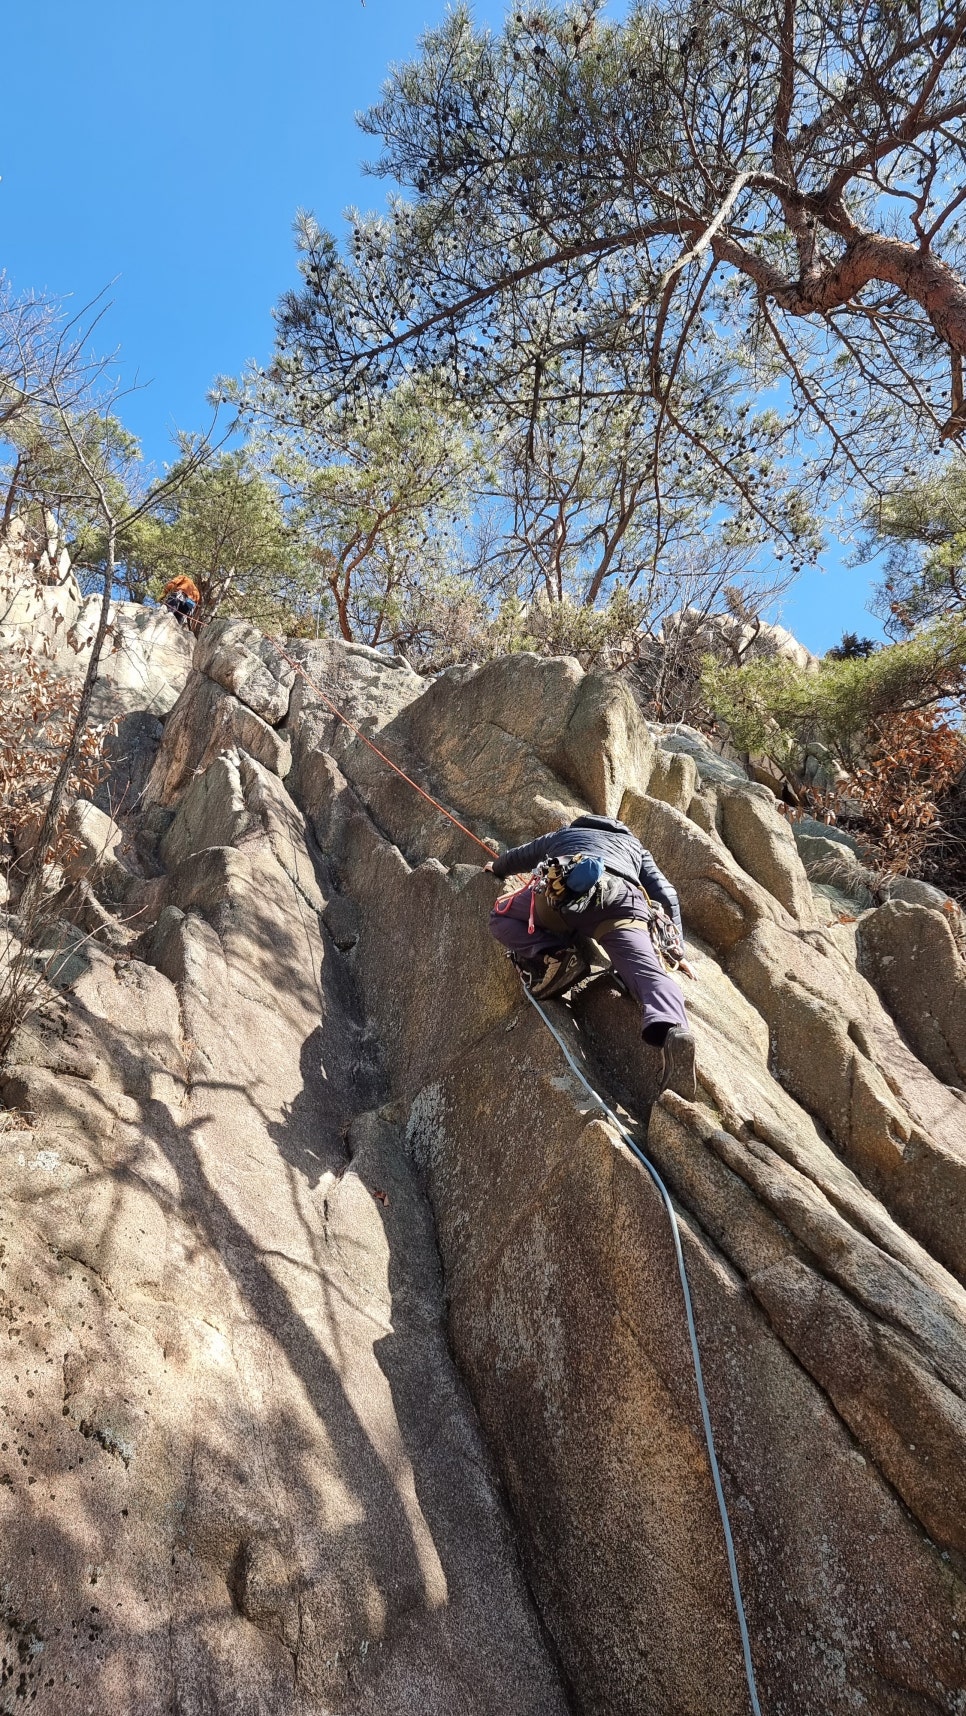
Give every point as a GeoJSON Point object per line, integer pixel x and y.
{"type": "Point", "coordinates": [244, 1473]}
{"type": "Point", "coordinates": [98, 847]}
{"type": "Point", "coordinates": [237, 657]}
{"type": "Point", "coordinates": [819, 1180]}
{"type": "Point", "coordinates": [40, 598]}
{"type": "Point", "coordinates": [240, 1472]}
{"type": "Point", "coordinates": [145, 662]}
{"type": "Point", "coordinates": [912, 955]}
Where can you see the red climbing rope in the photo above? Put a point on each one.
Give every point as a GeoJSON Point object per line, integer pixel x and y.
{"type": "Point", "coordinates": [382, 755]}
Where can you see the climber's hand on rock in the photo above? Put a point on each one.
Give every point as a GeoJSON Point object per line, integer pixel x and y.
{"type": "Point", "coordinates": [688, 970]}
{"type": "Point", "coordinates": [489, 867]}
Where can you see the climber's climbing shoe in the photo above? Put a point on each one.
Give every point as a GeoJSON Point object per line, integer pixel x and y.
{"type": "Point", "coordinates": [677, 1072]}
{"type": "Point", "coordinates": [560, 973]}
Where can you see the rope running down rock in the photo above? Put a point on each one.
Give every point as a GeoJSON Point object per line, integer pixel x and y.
{"type": "Point", "coordinates": [382, 755]}
{"type": "Point", "coordinates": [665, 1197]}
{"type": "Point", "coordinates": [645, 1162]}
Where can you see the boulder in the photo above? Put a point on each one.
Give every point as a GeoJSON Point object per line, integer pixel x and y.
{"type": "Point", "coordinates": [735, 639]}
{"type": "Point", "coordinates": [807, 828]}
{"type": "Point", "coordinates": [211, 812]}
{"type": "Point", "coordinates": [605, 748]}
{"type": "Point", "coordinates": [820, 769]}
{"type": "Point", "coordinates": [674, 778]}
{"type": "Point", "coordinates": [916, 893]}
{"type": "Point", "coordinates": [471, 728]}
{"type": "Point", "coordinates": [96, 851]}
{"type": "Point", "coordinates": [330, 764]}
{"type": "Point", "coordinates": [146, 659]}
{"type": "Point", "coordinates": [527, 697]}
{"type": "Point", "coordinates": [34, 610]}
{"type": "Point", "coordinates": [130, 747]}
{"type": "Point", "coordinates": [910, 954]}
{"type": "Point", "coordinates": [831, 856]}
{"type": "Point", "coordinates": [835, 907]}
{"type": "Point", "coordinates": [713, 769]}
{"type": "Point", "coordinates": [840, 1055]}
{"type": "Point", "coordinates": [762, 841]}
{"type": "Point", "coordinates": [205, 721]}
{"type": "Point", "coordinates": [238, 657]}
{"type": "Point", "coordinates": [821, 852]}
{"type": "Point", "coordinates": [718, 898]}
{"type": "Point", "coordinates": [817, 851]}
{"type": "Point", "coordinates": [369, 687]}
{"type": "Point", "coordinates": [703, 809]}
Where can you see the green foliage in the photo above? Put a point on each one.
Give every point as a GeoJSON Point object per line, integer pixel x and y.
{"type": "Point", "coordinates": [223, 524]}
{"type": "Point", "coordinates": [54, 462]}
{"type": "Point", "coordinates": [771, 706]}
{"type": "Point", "coordinates": [375, 494]}
{"type": "Point", "coordinates": [923, 526]}
{"type": "Point", "coordinates": [687, 247]}
{"type": "Point", "coordinates": [852, 648]}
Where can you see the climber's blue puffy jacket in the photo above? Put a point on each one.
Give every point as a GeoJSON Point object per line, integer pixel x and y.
{"type": "Point", "coordinates": [598, 837]}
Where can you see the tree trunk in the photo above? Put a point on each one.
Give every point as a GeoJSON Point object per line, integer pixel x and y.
{"type": "Point", "coordinates": [923, 277]}
{"type": "Point", "coordinates": [212, 596]}
{"type": "Point", "coordinates": [33, 885]}
{"type": "Point", "coordinates": [342, 607]}
{"type": "Point", "coordinates": [12, 493]}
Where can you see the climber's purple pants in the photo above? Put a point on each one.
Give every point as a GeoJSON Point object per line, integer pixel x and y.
{"type": "Point", "coordinates": [630, 951]}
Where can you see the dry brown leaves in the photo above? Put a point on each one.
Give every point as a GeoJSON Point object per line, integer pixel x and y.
{"type": "Point", "coordinates": [893, 798]}
{"type": "Point", "coordinates": [38, 706]}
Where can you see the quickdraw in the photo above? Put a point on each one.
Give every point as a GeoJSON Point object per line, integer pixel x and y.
{"type": "Point", "coordinates": [668, 945]}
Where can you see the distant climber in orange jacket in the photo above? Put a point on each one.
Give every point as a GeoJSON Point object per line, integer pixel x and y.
{"type": "Point", "coordinates": [181, 597]}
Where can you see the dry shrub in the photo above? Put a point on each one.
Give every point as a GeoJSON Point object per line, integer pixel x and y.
{"type": "Point", "coordinates": [452, 622]}
{"type": "Point", "coordinates": [895, 797]}
{"type": "Point", "coordinates": [38, 707]}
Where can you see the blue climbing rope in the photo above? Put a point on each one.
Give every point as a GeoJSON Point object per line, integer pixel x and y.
{"type": "Point", "coordinates": [665, 1196]}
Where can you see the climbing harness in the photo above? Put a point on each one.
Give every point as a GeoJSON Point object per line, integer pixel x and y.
{"type": "Point", "coordinates": [562, 889]}
{"type": "Point", "coordinates": [665, 1197]}
{"type": "Point", "coordinates": [675, 952]}
{"type": "Point", "coordinates": [664, 935]}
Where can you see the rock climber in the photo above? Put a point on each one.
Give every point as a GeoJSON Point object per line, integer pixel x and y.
{"type": "Point", "coordinates": [613, 885]}
{"type": "Point", "coordinates": [181, 597]}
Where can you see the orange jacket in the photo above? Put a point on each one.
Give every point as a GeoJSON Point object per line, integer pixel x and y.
{"type": "Point", "coordinates": [182, 586]}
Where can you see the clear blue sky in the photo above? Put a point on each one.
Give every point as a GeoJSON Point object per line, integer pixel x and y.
{"type": "Point", "coordinates": [167, 147]}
